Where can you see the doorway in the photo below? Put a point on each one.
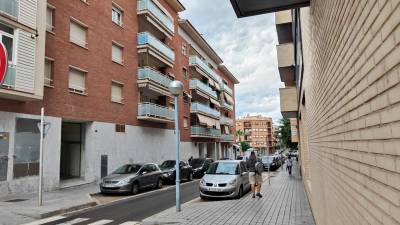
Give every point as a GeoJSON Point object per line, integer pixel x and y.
{"type": "Point", "coordinates": [71, 151]}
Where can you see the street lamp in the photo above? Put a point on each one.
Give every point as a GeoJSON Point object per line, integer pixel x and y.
{"type": "Point", "coordinates": [176, 89]}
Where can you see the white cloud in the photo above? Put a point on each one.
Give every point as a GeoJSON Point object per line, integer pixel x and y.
{"type": "Point", "coordinates": [247, 47]}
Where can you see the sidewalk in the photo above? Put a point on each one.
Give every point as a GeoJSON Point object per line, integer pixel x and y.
{"type": "Point", "coordinates": [284, 203]}
{"type": "Point", "coordinates": [24, 208]}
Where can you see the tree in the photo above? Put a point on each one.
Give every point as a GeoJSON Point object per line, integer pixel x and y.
{"type": "Point", "coordinates": [285, 135]}
{"type": "Point", "coordinates": [244, 145]}
{"type": "Point", "coordinates": [240, 134]}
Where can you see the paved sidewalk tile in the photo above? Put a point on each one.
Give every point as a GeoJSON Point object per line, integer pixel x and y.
{"type": "Point", "coordinates": [284, 203]}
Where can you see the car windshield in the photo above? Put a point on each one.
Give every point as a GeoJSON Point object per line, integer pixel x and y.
{"type": "Point", "coordinates": [167, 164]}
{"type": "Point", "coordinates": [229, 168]}
{"type": "Point", "coordinates": [195, 163]}
{"type": "Point", "coordinates": [127, 169]}
{"type": "Point", "coordinates": [267, 159]}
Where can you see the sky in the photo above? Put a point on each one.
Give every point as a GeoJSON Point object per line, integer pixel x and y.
{"type": "Point", "coordinates": [247, 47]}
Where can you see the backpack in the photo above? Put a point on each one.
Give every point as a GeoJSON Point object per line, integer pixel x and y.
{"type": "Point", "coordinates": [259, 168]}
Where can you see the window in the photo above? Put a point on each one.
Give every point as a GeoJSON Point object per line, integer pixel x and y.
{"type": "Point", "coordinates": [50, 18]}
{"type": "Point", "coordinates": [184, 49]}
{"type": "Point", "coordinates": [185, 98]}
{"type": "Point", "coordinates": [48, 72]}
{"type": "Point", "coordinates": [120, 128]}
{"type": "Point", "coordinates": [116, 15]}
{"type": "Point", "coordinates": [184, 73]}
{"type": "Point", "coordinates": [7, 38]}
{"type": "Point", "coordinates": [117, 53]}
{"type": "Point", "coordinates": [76, 82]}
{"type": "Point", "coordinates": [185, 122]}
{"type": "Point", "coordinates": [116, 92]}
{"type": "Point", "coordinates": [77, 33]}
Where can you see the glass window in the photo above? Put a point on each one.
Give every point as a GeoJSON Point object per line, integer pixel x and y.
{"type": "Point", "coordinates": [184, 73]}
{"type": "Point", "coordinates": [48, 72]}
{"type": "Point", "coordinates": [49, 18]}
{"type": "Point", "coordinates": [76, 82]}
{"type": "Point", "coordinates": [185, 122]}
{"type": "Point", "coordinates": [77, 34]}
{"type": "Point", "coordinates": [7, 38]}
{"type": "Point", "coordinates": [116, 16]}
{"type": "Point", "coordinates": [184, 49]}
{"type": "Point", "coordinates": [117, 55]}
{"type": "Point", "coordinates": [127, 169]}
{"type": "Point", "coordinates": [224, 168]}
{"type": "Point", "coordinates": [116, 92]}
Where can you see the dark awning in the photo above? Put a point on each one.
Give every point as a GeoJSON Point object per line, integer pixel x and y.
{"type": "Point", "coordinates": [245, 8]}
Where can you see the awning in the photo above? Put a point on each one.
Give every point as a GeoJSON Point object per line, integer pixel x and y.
{"type": "Point", "coordinates": [202, 94]}
{"type": "Point", "coordinates": [212, 83]}
{"type": "Point", "coordinates": [229, 99]}
{"type": "Point", "coordinates": [204, 120]}
{"type": "Point", "coordinates": [217, 86]}
{"type": "Point", "coordinates": [215, 102]}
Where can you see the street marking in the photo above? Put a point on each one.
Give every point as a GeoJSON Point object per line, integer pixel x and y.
{"type": "Point", "coordinates": [131, 223]}
{"type": "Point", "coordinates": [74, 221]}
{"type": "Point", "coordinates": [101, 222]}
{"type": "Point", "coordinates": [47, 220]}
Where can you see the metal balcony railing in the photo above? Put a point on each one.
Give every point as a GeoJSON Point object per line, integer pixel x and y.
{"type": "Point", "coordinates": [226, 121]}
{"type": "Point", "coordinates": [146, 38]}
{"type": "Point", "coordinates": [9, 80]}
{"type": "Point", "coordinates": [227, 137]}
{"type": "Point", "coordinates": [149, 5]}
{"type": "Point", "coordinates": [157, 111]}
{"type": "Point", "coordinates": [205, 132]}
{"type": "Point", "coordinates": [10, 7]}
{"type": "Point", "coordinates": [196, 61]}
{"type": "Point", "coordinates": [226, 105]}
{"type": "Point", "coordinates": [225, 88]}
{"type": "Point", "coordinates": [204, 87]}
{"type": "Point", "coordinates": [153, 75]}
{"type": "Point", "coordinates": [198, 107]}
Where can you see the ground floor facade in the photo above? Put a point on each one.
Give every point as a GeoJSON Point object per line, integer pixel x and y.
{"type": "Point", "coordinates": [79, 152]}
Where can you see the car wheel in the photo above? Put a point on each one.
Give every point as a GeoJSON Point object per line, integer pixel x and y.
{"type": "Point", "coordinates": [190, 177]}
{"type": "Point", "coordinates": [135, 188]}
{"type": "Point", "coordinates": [159, 183]}
{"type": "Point", "coordinates": [240, 194]}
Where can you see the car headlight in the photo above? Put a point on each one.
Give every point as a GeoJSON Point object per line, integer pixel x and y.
{"type": "Point", "coordinates": [202, 182]}
{"type": "Point", "coordinates": [233, 182]}
{"type": "Point", "coordinates": [124, 181]}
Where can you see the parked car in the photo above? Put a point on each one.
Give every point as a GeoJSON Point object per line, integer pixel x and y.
{"type": "Point", "coordinates": [271, 161]}
{"type": "Point", "coordinates": [169, 172]}
{"type": "Point", "coordinates": [225, 179]}
{"type": "Point", "coordinates": [200, 166]}
{"type": "Point", "coordinates": [131, 178]}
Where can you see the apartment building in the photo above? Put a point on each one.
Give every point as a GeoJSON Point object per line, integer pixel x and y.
{"type": "Point", "coordinates": [258, 132]}
{"type": "Point", "coordinates": [106, 67]}
{"type": "Point", "coordinates": [340, 62]}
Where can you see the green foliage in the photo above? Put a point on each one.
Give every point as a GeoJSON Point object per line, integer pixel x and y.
{"type": "Point", "coordinates": [285, 136]}
{"type": "Point", "coordinates": [244, 145]}
{"type": "Point", "coordinates": [240, 134]}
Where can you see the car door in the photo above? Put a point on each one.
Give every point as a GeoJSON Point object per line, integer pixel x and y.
{"type": "Point", "coordinates": [244, 175]}
{"type": "Point", "coordinates": [145, 176]}
{"type": "Point", "coordinates": [183, 170]}
{"type": "Point", "coordinates": [154, 174]}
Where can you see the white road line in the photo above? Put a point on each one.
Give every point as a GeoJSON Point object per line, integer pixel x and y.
{"type": "Point", "coordinates": [74, 221]}
{"type": "Point", "coordinates": [101, 222]}
{"type": "Point", "coordinates": [47, 220]}
{"type": "Point", "coordinates": [131, 223]}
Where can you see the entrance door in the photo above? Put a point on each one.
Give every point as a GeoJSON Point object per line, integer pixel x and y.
{"type": "Point", "coordinates": [71, 150]}
{"type": "Point", "coordinates": [3, 155]}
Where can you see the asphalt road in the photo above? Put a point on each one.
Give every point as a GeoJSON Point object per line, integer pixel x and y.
{"type": "Point", "coordinates": [136, 208]}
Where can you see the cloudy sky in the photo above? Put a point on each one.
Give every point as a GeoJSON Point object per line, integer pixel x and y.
{"type": "Point", "coordinates": [247, 47]}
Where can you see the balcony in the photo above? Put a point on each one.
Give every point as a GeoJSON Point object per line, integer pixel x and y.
{"type": "Point", "coordinates": [156, 113]}
{"type": "Point", "coordinates": [285, 55]}
{"type": "Point", "coordinates": [153, 52]}
{"type": "Point", "coordinates": [202, 87]}
{"type": "Point", "coordinates": [227, 89]}
{"type": "Point", "coordinates": [227, 138]}
{"type": "Point", "coordinates": [150, 15]}
{"type": "Point", "coordinates": [283, 17]}
{"type": "Point", "coordinates": [153, 80]}
{"type": "Point", "coordinates": [196, 107]}
{"type": "Point", "coordinates": [9, 7]}
{"type": "Point", "coordinates": [204, 132]}
{"type": "Point", "coordinates": [226, 106]}
{"type": "Point", "coordinates": [9, 80]}
{"type": "Point", "coordinates": [202, 68]}
{"type": "Point", "coordinates": [289, 104]}
{"type": "Point", "coordinates": [226, 121]}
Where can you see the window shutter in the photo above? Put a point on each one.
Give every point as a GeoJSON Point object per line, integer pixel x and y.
{"type": "Point", "coordinates": [77, 34]}
{"type": "Point", "coordinates": [116, 92]}
{"type": "Point", "coordinates": [76, 80]}
{"type": "Point", "coordinates": [116, 53]}
{"type": "Point", "coordinates": [27, 12]}
{"type": "Point", "coordinates": [25, 77]}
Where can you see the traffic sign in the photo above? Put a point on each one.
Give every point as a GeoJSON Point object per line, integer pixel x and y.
{"type": "Point", "coordinates": [3, 62]}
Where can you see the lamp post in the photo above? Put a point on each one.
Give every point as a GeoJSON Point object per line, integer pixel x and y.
{"type": "Point", "coordinates": [176, 89]}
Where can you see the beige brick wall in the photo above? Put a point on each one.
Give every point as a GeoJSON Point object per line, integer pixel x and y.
{"type": "Point", "coordinates": [350, 148]}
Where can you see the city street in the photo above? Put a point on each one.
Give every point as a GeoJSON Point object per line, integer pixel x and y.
{"type": "Point", "coordinates": [129, 210]}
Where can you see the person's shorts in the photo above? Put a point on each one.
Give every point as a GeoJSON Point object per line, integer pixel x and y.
{"type": "Point", "coordinates": [253, 177]}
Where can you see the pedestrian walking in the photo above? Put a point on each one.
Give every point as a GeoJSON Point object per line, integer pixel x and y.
{"type": "Point", "coordinates": [289, 165]}
{"type": "Point", "coordinates": [255, 177]}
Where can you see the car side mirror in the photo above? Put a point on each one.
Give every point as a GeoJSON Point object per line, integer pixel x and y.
{"type": "Point", "coordinates": [143, 172]}
{"type": "Point", "coordinates": [243, 173]}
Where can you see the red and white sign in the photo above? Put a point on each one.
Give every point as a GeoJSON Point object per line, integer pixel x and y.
{"type": "Point", "coordinates": [3, 62]}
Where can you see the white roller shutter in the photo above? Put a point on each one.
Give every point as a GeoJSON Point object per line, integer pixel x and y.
{"type": "Point", "coordinates": [27, 12]}
{"type": "Point", "coordinates": [25, 77]}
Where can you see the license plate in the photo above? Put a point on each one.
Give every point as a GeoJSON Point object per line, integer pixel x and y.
{"type": "Point", "coordinates": [214, 189]}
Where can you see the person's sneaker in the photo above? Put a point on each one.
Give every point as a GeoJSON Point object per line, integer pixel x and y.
{"type": "Point", "coordinates": [259, 195]}
{"type": "Point", "coordinates": [253, 195]}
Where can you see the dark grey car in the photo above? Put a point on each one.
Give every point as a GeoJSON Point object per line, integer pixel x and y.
{"type": "Point", "coordinates": [131, 178]}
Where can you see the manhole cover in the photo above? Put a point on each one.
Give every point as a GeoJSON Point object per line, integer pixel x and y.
{"type": "Point", "coordinates": [16, 200]}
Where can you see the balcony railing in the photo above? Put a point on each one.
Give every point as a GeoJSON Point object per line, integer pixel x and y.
{"type": "Point", "coordinates": [225, 88]}
{"type": "Point", "coordinates": [227, 137]}
{"type": "Point", "coordinates": [9, 80]}
{"type": "Point", "coordinates": [147, 109]}
{"type": "Point", "coordinates": [10, 7]}
{"type": "Point", "coordinates": [226, 121]}
{"type": "Point", "coordinates": [147, 73]}
{"type": "Point", "coordinates": [149, 5]}
{"type": "Point", "coordinates": [205, 132]}
{"type": "Point", "coordinates": [197, 107]}
{"type": "Point", "coordinates": [146, 38]}
{"type": "Point", "coordinates": [226, 105]}
{"type": "Point", "coordinates": [205, 88]}
{"type": "Point", "coordinates": [196, 61]}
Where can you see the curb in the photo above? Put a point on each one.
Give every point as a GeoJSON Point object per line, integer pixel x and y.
{"type": "Point", "coordinates": [65, 210]}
